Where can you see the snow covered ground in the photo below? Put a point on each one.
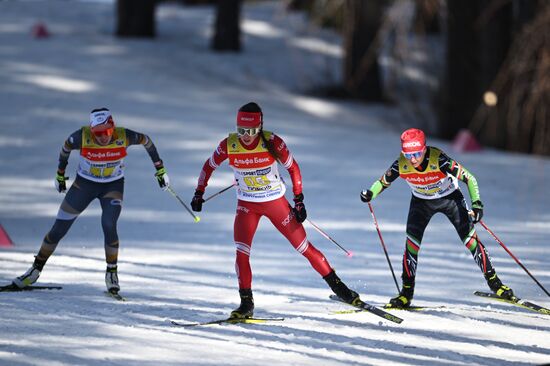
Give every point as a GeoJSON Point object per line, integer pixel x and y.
{"type": "Point", "coordinates": [185, 97]}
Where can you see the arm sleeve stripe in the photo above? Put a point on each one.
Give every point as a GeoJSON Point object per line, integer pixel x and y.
{"type": "Point", "coordinates": [288, 163]}
{"type": "Point", "coordinates": [212, 162]}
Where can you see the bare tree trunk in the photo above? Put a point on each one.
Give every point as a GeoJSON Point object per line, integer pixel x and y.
{"type": "Point", "coordinates": [135, 18]}
{"type": "Point", "coordinates": [479, 35]}
{"type": "Point", "coordinates": [198, 2]}
{"type": "Point", "coordinates": [519, 118]}
{"type": "Point", "coordinates": [362, 20]}
{"type": "Point", "coordinates": [300, 4]}
{"type": "Point", "coordinates": [427, 18]}
{"type": "Point", "coordinates": [227, 32]}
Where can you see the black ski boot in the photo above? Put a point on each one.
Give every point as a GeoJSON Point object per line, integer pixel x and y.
{"type": "Point", "coordinates": [495, 284]}
{"type": "Point", "coordinates": [246, 309]}
{"type": "Point", "coordinates": [403, 300]}
{"type": "Point", "coordinates": [405, 296]}
{"type": "Point", "coordinates": [341, 290]}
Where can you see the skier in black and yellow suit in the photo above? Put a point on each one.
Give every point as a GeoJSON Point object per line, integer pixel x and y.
{"type": "Point", "coordinates": [100, 175]}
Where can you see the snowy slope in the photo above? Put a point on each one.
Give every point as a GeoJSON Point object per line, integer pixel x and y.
{"type": "Point", "coordinates": [185, 98]}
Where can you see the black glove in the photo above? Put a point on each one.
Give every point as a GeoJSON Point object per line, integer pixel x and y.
{"type": "Point", "coordinates": [196, 202]}
{"type": "Point", "coordinates": [162, 178]}
{"type": "Point", "coordinates": [477, 208]}
{"type": "Point", "coordinates": [299, 208]}
{"type": "Point", "coordinates": [60, 182]}
{"type": "Point", "coordinates": [366, 195]}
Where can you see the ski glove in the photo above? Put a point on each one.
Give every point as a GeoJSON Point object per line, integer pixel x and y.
{"type": "Point", "coordinates": [477, 208]}
{"type": "Point", "coordinates": [366, 196]}
{"type": "Point", "coordinates": [162, 178]}
{"type": "Point", "coordinates": [299, 208]}
{"type": "Point", "coordinates": [60, 182]}
{"type": "Point", "coordinates": [196, 202]}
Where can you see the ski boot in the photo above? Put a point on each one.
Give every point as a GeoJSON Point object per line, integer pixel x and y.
{"type": "Point", "coordinates": [342, 291]}
{"type": "Point", "coordinates": [111, 279]}
{"type": "Point", "coordinates": [495, 284]}
{"type": "Point", "coordinates": [28, 278]}
{"type": "Point", "coordinates": [246, 309]}
{"type": "Point", "coordinates": [405, 296]}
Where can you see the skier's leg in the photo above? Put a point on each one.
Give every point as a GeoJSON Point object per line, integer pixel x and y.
{"type": "Point", "coordinates": [76, 200]}
{"type": "Point", "coordinates": [457, 212]}
{"type": "Point", "coordinates": [111, 206]}
{"type": "Point", "coordinates": [420, 214]}
{"type": "Point", "coordinates": [244, 228]}
{"type": "Point", "coordinates": [282, 217]}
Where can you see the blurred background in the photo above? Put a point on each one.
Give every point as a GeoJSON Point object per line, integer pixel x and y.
{"type": "Point", "coordinates": [464, 70]}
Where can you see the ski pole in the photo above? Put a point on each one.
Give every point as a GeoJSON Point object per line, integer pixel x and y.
{"type": "Point", "coordinates": [348, 253]}
{"type": "Point", "coordinates": [513, 256]}
{"type": "Point", "coordinates": [383, 246]}
{"type": "Point", "coordinates": [195, 217]}
{"type": "Point", "coordinates": [220, 192]}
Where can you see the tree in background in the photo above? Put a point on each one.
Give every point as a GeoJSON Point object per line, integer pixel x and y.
{"type": "Point", "coordinates": [359, 22]}
{"type": "Point", "coordinates": [479, 36]}
{"type": "Point", "coordinates": [516, 113]}
{"type": "Point", "coordinates": [136, 18]}
{"type": "Point", "coordinates": [476, 47]}
{"type": "Point", "coordinates": [197, 2]}
{"type": "Point", "coordinates": [427, 16]}
{"type": "Point", "coordinates": [227, 30]}
{"type": "Point", "coordinates": [300, 4]}
{"type": "Point", "coordinates": [362, 20]}
{"type": "Point", "coordinates": [498, 66]}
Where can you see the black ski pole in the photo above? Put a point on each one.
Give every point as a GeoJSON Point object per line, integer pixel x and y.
{"type": "Point", "coordinates": [220, 192]}
{"type": "Point", "coordinates": [513, 256]}
{"type": "Point", "coordinates": [195, 217]}
{"type": "Point", "coordinates": [383, 246]}
{"type": "Point", "coordinates": [348, 253]}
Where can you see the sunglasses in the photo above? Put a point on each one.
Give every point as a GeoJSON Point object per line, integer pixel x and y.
{"type": "Point", "coordinates": [103, 130]}
{"type": "Point", "coordinates": [415, 155]}
{"type": "Point", "coordinates": [104, 133]}
{"type": "Point", "coordinates": [241, 131]}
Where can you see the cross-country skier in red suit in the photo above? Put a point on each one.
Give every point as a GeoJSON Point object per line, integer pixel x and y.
{"type": "Point", "coordinates": [254, 154]}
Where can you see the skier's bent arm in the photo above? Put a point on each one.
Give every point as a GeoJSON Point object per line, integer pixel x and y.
{"type": "Point", "coordinates": [386, 180]}
{"type": "Point", "coordinates": [211, 164]}
{"type": "Point", "coordinates": [291, 165]}
{"type": "Point", "coordinates": [136, 138]}
{"type": "Point", "coordinates": [73, 142]}
{"type": "Point", "coordinates": [454, 168]}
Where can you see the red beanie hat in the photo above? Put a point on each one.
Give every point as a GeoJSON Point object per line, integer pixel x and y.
{"type": "Point", "coordinates": [249, 119]}
{"type": "Point", "coordinates": [412, 140]}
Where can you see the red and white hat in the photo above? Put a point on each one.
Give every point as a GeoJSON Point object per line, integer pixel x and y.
{"type": "Point", "coordinates": [412, 141]}
{"type": "Point", "coordinates": [249, 119]}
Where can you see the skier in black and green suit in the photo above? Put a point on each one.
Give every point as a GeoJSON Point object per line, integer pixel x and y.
{"type": "Point", "coordinates": [433, 178]}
